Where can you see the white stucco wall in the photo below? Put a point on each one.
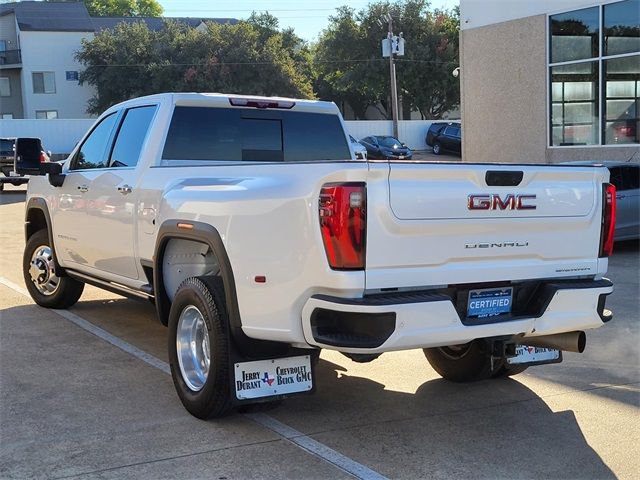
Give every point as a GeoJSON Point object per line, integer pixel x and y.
{"type": "Point", "coordinates": [54, 52]}
{"type": "Point", "coordinates": [479, 13]}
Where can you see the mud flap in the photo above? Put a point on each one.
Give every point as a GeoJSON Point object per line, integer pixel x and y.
{"type": "Point", "coordinates": [270, 377]}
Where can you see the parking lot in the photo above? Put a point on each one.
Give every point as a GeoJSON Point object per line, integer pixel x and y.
{"type": "Point", "coordinates": [87, 402]}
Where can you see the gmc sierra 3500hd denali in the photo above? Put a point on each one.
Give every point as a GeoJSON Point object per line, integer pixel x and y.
{"type": "Point", "coordinates": [261, 239]}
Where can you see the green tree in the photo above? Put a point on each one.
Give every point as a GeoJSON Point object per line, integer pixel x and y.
{"type": "Point", "coordinates": [350, 68]}
{"type": "Point", "coordinates": [121, 8]}
{"type": "Point", "coordinates": [131, 61]}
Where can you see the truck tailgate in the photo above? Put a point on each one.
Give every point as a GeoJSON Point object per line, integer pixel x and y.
{"type": "Point", "coordinates": [434, 224]}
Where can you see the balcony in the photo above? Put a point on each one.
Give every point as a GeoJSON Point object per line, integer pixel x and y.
{"type": "Point", "coordinates": [10, 59]}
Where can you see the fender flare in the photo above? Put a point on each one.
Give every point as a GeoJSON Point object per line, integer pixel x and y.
{"type": "Point", "coordinates": [39, 203]}
{"type": "Point", "coordinates": [203, 233]}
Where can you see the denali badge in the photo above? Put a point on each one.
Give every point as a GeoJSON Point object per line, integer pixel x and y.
{"type": "Point", "coordinates": [493, 201]}
{"type": "Point", "coordinates": [496, 245]}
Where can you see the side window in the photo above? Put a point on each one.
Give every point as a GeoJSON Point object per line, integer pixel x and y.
{"type": "Point", "coordinates": [631, 178]}
{"type": "Point", "coordinates": [92, 153]}
{"type": "Point", "coordinates": [615, 177]}
{"type": "Point", "coordinates": [449, 131]}
{"type": "Point", "coordinates": [131, 135]}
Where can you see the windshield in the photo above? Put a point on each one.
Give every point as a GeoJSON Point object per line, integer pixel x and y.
{"type": "Point", "coordinates": [6, 147]}
{"type": "Point", "coordinates": [389, 142]}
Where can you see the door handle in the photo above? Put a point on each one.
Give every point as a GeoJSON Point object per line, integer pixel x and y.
{"type": "Point", "coordinates": [83, 188]}
{"type": "Point", "coordinates": [618, 197]}
{"type": "Point", "coordinates": [125, 189]}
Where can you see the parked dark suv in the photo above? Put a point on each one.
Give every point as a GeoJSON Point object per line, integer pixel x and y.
{"type": "Point", "coordinates": [445, 137]}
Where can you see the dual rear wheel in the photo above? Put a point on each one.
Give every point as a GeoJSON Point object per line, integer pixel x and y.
{"type": "Point", "coordinates": [469, 362]}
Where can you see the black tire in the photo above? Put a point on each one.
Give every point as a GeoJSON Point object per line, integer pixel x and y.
{"type": "Point", "coordinates": [437, 148]}
{"type": "Point", "coordinates": [68, 290]}
{"type": "Point", "coordinates": [509, 371]}
{"type": "Point", "coordinates": [207, 295]}
{"type": "Point", "coordinates": [462, 363]}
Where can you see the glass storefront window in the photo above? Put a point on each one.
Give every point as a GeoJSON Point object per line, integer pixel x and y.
{"type": "Point", "coordinates": [574, 104]}
{"type": "Point", "coordinates": [622, 100]}
{"type": "Point", "coordinates": [621, 25]}
{"type": "Point", "coordinates": [594, 75]}
{"type": "Point", "coordinates": [574, 35]}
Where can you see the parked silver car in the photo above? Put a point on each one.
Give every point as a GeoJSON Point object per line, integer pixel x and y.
{"type": "Point", "coordinates": [626, 178]}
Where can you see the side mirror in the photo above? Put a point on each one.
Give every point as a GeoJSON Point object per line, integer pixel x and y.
{"type": "Point", "coordinates": [54, 170]}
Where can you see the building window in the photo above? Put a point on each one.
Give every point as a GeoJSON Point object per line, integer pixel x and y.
{"type": "Point", "coordinates": [5, 87]}
{"type": "Point", "coordinates": [594, 75]}
{"type": "Point", "coordinates": [46, 114]}
{"type": "Point", "coordinates": [44, 82]}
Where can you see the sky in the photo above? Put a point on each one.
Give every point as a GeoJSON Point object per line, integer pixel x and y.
{"type": "Point", "coordinates": [306, 17]}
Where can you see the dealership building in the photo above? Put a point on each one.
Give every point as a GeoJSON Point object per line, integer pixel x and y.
{"type": "Point", "coordinates": [550, 81]}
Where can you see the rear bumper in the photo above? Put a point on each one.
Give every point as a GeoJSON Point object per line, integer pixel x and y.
{"type": "Point", "coordinates": [404, 321]}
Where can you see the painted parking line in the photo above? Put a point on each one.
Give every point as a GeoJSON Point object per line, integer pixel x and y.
{"type": "Point", "coordinates": [288, 433]}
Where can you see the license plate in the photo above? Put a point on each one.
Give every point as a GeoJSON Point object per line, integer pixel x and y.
{"type": "Point", "coordinates": [489, 302]}
{"type": "Point", "coordinates": [266, 378]}
{"type": "Point", "coordinates": [14, 174]}
{"type": "Point", "coordinates": [400, 157]}
{"type": "Point", "coordinates": [526, 354]}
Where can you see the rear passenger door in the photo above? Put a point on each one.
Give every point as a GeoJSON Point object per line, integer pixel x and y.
{"type": "Point", "coordinates": [111, 199]}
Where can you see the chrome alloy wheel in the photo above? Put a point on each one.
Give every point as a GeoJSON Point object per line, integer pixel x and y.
{"type": "Point", "coordinates": [192, 345]}
{"type": "Point", "coordinates": [42, 271]}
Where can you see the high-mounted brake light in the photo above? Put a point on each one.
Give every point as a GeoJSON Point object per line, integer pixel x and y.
{"type": "Point", "coordinates": [258, 103]}
{"type": "Point", "coordinates": [608, 219]}
{"type": "Point", "coordinates": [343, 221]}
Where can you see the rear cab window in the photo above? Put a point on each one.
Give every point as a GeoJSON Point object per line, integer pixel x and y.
{"type": "Point", "coordinates": [253, 135]}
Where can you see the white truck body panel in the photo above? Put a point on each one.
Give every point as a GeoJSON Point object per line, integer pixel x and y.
{"type": "Point", "coordinates": [267, 216]}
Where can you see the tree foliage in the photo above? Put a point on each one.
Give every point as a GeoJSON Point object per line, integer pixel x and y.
{"type": "Point", "coordinates": [121, 8]}
{"type": "Point", "coordinates": [350, 67]}
{"type": "Point", "coordinates": [250, 57]}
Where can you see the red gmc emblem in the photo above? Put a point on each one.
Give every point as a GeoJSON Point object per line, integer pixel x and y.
{"type": "Point", "coordinates": [493, 201]}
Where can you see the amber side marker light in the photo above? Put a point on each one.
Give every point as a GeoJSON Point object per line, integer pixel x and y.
{"type": "Point", "coordinates": [185, 226]}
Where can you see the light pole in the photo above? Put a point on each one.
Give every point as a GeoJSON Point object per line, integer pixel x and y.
{"type": "Point", "coordinates": [392, 75]}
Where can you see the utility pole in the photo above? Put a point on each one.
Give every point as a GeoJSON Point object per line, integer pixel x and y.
{"type": "Point", "coordinates": [392, 75]}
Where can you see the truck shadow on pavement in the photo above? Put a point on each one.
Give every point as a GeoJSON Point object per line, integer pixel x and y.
{"type": "Point", "coordinates": [492, 429]}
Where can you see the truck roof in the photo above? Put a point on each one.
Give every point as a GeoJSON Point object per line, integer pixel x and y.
{"type": "Point", "coordinates": [223, 100]}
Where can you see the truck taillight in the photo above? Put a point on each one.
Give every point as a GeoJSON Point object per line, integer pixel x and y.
{"type": "Point", "coordinates": [608, 219]}
{"type": "Point", "coordinates": [343, 222]}
{"type": "Point", "coordinates": [43, 157]}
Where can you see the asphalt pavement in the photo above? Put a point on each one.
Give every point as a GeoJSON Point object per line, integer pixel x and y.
{"type": "Point", "coordinates": [73, 405]}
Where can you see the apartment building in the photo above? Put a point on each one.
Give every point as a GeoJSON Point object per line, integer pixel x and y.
{"type": "Point", "coordinates": [38, 41]}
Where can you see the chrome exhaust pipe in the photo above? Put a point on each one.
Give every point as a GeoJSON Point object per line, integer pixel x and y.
{"type": "Point", "coordinates": [568, 341]}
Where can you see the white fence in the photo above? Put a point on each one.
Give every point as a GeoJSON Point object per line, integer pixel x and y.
{"type": "Point", "coordinates": [60, 136]}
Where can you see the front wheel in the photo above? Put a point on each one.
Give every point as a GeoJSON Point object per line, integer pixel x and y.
{"type": "Point", "coordinates": [199, 347]}
{"type": "Point", "coordinates": [470, 362]}
{"type": "Point", "coordinates": [45, 286]}
{"type": "Point", "coordinates": [437, 148]}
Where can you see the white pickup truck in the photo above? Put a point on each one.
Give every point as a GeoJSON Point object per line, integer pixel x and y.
{"type": "Point", "coordinates": [261, 239]}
